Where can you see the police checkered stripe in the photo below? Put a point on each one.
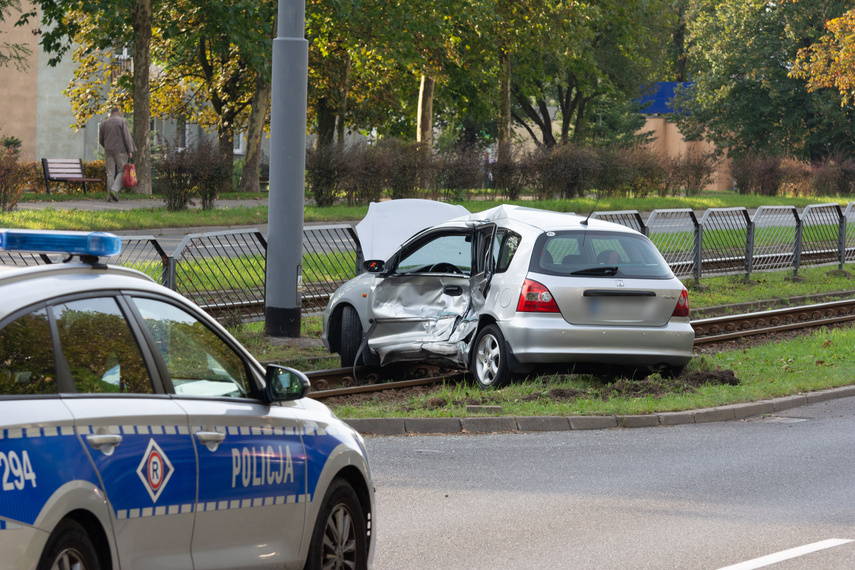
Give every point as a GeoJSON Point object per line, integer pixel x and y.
{"type": "Point", "coordinates": [136, 430]}
{"type": "Point", "coordinates": [9, 525]}
{"type": "Point", "coordinates": [212, 506]}
{"type": "Point", "coordinates": [266, 431]}
{"type": "Point", "coordinates": [53, 431]}
{"type": "Point", "coordinates": [30, 432]}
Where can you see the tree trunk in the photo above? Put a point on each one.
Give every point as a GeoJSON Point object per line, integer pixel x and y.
{"type": "Point", "coordinates": [255, 129]}
{"type": "Point", "coordinates": [504, 102]}
{"type": "Point", "coordinates": [342, 107]}
{"type": "Point", "coordinates": [226, 149]}
{"type": "Point", "coordinates": [142, 95]}
{"type": "Point", "coordinates": [326, 124]}
{"type": "Point", "coordinates": [254, 134]}
{"type": "Point", "coordinates": [425, 120]}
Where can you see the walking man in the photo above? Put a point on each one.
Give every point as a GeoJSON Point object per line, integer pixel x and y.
{"type": "Point", "coordinates": [115, 136]}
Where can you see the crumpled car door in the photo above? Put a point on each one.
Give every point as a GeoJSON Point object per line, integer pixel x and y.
{"type": "Point", "coordinates": [423, 309]}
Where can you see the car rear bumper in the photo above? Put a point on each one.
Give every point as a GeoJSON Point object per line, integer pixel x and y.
{"type": "Point", "coordinates": [549, 339]}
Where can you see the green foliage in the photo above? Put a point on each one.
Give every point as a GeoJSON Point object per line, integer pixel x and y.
{"type": "Point", "coordinates": [199, 170]}
{"type": "Point", "coordinates": [743, 98]}
{"type": "Point", "coordinates": [11, 178]}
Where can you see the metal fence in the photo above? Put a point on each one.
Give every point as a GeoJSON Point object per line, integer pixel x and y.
{"type": "Point", "coordinates": [728, 241]}
{"type": "Point", "coordinates": [224, 272]}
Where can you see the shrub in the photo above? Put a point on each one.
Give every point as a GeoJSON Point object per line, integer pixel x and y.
{"type": "Point", "coordinates": [11, 176]}
{"type": "Point", "coordinates": [461, 170]}
{"type": "Point", "coordinates": [694, 169]}
{"type": "Point", "coordinates": [564, 171]}
{"type": "Point", "coordinates": [323, 173]}
{"type": "Point", "coordinates": [795, 177]}
{"type": "Point", "coordinates": [509, 173]}
{"type": "Point", "coordinates": [833, 176]}
{"type": "Point", "coordinates": [175, 179]}
{"type": "Point", "coordinates": [413, 169]}
{"type": "Point", "coordinates": [615, 175]}
{"type": "Point", "coordinates": [647, 171]}
{"type": "Point", "coordinates": [210, 170]}
{"type": "Point", "coordinates": [754, 174]}
{"type": "Point", "coordinates": [365, 172]}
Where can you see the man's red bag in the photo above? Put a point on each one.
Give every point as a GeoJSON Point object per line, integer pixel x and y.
{"type": "Point", "coordinates": [129, 180]}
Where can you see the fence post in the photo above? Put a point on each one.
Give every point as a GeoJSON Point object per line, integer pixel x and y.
{"type": "Point", "coordinates": [749, 250]}
{"type": "Point", "coordinates": [797, 254]}
{"type": "Point", "coordinates": [841, 243]}
{"type": "Point", "coordinates": [169, 272]}
{"type": "Point", "coordinates": [699, 239]}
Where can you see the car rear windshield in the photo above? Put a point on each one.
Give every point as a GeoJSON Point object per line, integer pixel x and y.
{"type": "Point", "coordinates": [598, 254]}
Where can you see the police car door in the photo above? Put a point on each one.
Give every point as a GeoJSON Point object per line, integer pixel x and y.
{"type": "Point", "coordinates": [252, 467]}
{"type": "Point", "coordinates": [416, 306]}
{"type": "Point", "coordinates": [137, 439]}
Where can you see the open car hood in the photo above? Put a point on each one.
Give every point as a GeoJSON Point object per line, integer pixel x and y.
{"type": "Point", "coordinates": [389, 224]}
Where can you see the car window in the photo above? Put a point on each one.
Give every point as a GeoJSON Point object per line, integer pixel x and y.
{"type": "Point", "coordinates": [199, 362]}
{"type": "Point", "coordinates": [504, 247]}
{"type": "Point", "coordinates": [26, 356]}
{"type": "Point", "coordinates": [445, 249]}
{"type": "Point", "coordinates": [99, 347]}
{"type": "Point", "coordinates": [604, 254]}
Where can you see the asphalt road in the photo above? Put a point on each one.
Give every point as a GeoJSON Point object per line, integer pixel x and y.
{"type": "Point", "coordinates": [692, 496]}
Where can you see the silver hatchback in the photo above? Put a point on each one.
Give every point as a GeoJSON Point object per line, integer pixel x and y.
{"type": "Point", "coordinates": [502, 291]}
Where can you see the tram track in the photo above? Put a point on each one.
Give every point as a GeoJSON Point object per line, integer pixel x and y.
{"type": "Point", "coordinates": [708, 331]}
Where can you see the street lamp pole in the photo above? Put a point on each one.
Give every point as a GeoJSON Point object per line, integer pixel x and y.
{"type": "Point", "coordinates": [283, 284]}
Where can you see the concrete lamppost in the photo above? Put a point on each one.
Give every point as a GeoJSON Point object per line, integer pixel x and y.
{"type": "Point", "coordinates": [283, 284]}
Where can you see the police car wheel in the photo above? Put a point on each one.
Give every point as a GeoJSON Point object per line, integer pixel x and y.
{"type": "Point", "coordinates": [339, 539]}
{"type": "Point", "coordinates": [489, 363]}
{"type": "Point", "coordinates": [69, 548]}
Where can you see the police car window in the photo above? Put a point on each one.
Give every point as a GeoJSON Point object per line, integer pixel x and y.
{"type": "Point", "coordinates": [26, 356]}
{"type": "Point", "coordinates": [99, 347]}
{"type": "Point", "coordinates": [199, 362]}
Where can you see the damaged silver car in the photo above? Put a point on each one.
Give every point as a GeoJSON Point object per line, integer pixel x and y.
{"type": "Point", "coordinates": [505, 290]}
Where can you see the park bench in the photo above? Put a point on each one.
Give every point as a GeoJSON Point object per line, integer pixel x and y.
{"type": "Point", "coordinates": [65, 170]}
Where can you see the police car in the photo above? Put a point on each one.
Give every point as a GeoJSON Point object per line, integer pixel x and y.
{"type": "Point", "coordinates": [135, 432]}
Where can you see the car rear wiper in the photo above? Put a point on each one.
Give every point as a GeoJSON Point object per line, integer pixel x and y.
{"type": "Point", "coordinates": [598, 270]}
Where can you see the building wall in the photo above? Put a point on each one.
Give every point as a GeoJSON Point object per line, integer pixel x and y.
{"type": "Point", "coordinates": [668, 141]}
{"type": "Point", "coordinates": [18, 91]}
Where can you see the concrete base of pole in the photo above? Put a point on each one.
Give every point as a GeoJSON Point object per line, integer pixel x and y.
{"type": "Point", "coordinates": [282, 322]}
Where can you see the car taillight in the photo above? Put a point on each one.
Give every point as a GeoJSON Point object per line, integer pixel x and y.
{"type": "Point", "coordinates": [536, 298]}
{"type": "Point", "coordinates": [682, 308]}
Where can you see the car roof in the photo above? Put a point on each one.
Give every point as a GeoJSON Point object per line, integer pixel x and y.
{"type": "Point", "coordinates": [24, 286]}
{"type": "Point", "coordinates": [544, 220]}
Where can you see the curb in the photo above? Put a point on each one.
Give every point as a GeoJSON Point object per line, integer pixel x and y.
{"type": "Point", "coordinates": [504, 424]}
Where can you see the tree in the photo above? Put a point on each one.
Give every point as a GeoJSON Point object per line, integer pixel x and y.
{"type": "Point", "coordinates": [830, 62]}
{"type": "Point", "coordinates": [102, 28]}
{"type": "Point", "coordinates": [610, 49]}
{"type": "Point", "coordinates": [15, 54]}
{"type": "Point", "coordinates": [743, 97]}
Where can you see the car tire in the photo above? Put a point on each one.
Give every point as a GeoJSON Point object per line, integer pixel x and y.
{"type": "Point", "coordinates": [69, 547]}
{"type": "Point", "coordinates": [351, 336]}
{"type": "Point", "coordinates": [489, 364]}
{"type": "Point", "coordinates": [339, 539]}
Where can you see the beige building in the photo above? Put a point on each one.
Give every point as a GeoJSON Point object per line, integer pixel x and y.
{"type": "Point", "coordinates": [33, 106]}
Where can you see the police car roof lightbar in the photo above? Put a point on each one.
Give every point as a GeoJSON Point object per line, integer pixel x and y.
{"type": "Point", "coordinates": [97, 244]}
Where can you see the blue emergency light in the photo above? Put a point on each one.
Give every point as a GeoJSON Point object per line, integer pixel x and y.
{"type": "Point", "coordinates": [96, 244]}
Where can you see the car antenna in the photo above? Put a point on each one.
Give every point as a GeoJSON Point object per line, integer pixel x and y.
{"type": "Point", "coordinates": [591, 213]}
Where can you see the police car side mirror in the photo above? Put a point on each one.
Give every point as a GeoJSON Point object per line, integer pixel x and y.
{"type": "Point", "coordinates": [284, 384]}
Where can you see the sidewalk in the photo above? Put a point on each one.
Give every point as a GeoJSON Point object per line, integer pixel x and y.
{"type": "Point", "coordinates": [93, 205]}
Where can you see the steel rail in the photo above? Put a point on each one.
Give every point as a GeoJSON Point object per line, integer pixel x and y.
{"type": "Point", "coordinates": [717, 329]}
{"type": "Point", "coordinates": [342, 381]}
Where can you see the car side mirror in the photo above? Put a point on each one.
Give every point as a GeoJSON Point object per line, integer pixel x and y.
{"type": "Point", "coordinates": [375, 266]}
{"type": "Point", "coordinates": [285, 384]}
